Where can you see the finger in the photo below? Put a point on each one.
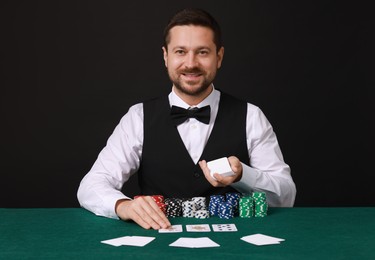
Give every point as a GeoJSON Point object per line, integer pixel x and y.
{"type": "Point", "coordinates": [150, 213]}
{"type": "Point", "coordinates": [206, 171]}
{"type": "Point", "coordinates": [145, 213]}
{"type": "Point", "coordinates": [157, 214]}
{"type": "Point", "coordinates": [204, 167]}
{"type": "Point", "coordinates": [139, 220]}
{"type": "Point", "coordinates": [235, 164]}
{"type": "Point", "coordinates": [131, 212]}
{"type": "Point", "coordinates": [137, 210]}
{"type": "Point", "coordinates": [207, 174]}
{"type": "Point", "coordinates": [222, 181]}
{"type": "Point", "coordinates": [236, 167]}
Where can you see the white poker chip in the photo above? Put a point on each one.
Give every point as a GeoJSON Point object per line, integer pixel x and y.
{"type": "Point", "coordinates": [202, 214]}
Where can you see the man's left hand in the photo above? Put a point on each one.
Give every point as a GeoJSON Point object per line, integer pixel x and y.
{"type": "Point", "coordinates": [222, 181]}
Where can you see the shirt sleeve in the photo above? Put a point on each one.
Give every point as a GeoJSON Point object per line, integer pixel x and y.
{"type": "Point", "coordinates": [100, 188]}
{"type": "Point", "coordinates": [267, 170]}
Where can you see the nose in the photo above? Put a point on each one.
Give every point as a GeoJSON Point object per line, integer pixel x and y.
{"type": "Point", "coordinates": [191, 60]}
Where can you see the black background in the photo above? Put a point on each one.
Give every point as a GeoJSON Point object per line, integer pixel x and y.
{"type": "Point", "coordinates": [71, 69]}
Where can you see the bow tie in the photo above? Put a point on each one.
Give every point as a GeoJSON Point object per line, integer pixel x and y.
{"type": "Point", "coordinates": [180, 115]}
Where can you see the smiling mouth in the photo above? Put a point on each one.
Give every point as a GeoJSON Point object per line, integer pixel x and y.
{"type": "Point", "coordinates": [192, 74]}
{"type": "Point", "coordinates": [191, 78]}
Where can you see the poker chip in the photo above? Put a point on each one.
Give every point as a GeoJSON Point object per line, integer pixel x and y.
{"type": "Point", "coordinates": [200, 203]}
{"type": "Point", "coordinates": [202, 214]}
{"type": "Point", "coordinates": [159, 199]}
{"type": "Point", "coordinates": [226, 210]}
{"type": "Point", "coordinates": [213, 206]}
{"type": "Point", "coordinates": [173, 207]}
{"type": "Point", "coordinates": [188, 209]}
{"type": "Point", "coordinates": [260, 204]}
{"type": "Point", "coordinates": [246, 207]}
{"type": "Point", "coordinates": [233, 199]}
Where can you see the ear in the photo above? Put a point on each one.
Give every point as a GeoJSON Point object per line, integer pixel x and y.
{"type": "Point", "coordinates": [165, 56]}
{"type": "Point", "coordinates": [220, 56]}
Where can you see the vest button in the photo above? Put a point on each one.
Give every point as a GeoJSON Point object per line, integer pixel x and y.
{"type": "Point", "coordinates": [196, 175]}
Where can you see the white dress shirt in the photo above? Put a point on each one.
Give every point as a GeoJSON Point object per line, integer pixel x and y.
{"type": "Point", "coordinates": [266, 170]}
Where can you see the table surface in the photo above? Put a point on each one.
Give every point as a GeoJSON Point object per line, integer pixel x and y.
{"type": "Point", "coordinates": [74, 233]}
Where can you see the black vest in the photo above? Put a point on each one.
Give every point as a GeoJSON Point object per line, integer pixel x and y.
{"type": "Point", "coordinates": [166, 167]}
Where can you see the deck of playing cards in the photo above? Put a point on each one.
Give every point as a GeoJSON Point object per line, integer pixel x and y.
{"type": "Point", "coordinates": [220, 166]}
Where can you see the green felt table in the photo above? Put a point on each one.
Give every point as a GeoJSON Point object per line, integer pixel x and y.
{"type": "Point", "coordinates": [74, 233]}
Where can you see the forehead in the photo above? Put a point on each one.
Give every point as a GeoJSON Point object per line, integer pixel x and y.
{"type": "Point", "coordinates": [191, 35]}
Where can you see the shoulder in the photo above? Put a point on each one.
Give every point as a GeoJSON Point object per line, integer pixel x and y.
{"type": "Point", "coordinates": [136, 109]}
{"type": "Point", "coordinates": [254, 112]}
{"type": "Point", "coordinates": [155, 101]}
{"type": "Point", "coordinates": [251, 108]}
{"type": "Point", "coordinates": [134, 114]}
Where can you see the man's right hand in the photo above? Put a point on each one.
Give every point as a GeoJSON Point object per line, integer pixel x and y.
{"type": "Point", "coordinates": [144, 211]}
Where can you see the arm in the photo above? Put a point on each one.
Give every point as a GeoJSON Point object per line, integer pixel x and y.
{"type": "Point", "coordinates": [100, 190]}
{"type": "Point", "coordinates": [267, 171]}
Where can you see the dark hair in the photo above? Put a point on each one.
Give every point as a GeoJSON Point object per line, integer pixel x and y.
{"type": "Point", "coordinates": [194, 16]}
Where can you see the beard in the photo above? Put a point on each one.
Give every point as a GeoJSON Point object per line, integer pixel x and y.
{"type": "Point", "coordinates": [184, 86]}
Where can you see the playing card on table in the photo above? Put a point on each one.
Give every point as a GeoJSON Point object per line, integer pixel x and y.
{"type": "Point", "coordinates": [198, 228]}
{"type": "Point", "coordinates": [262, 240]}
{"type": "Point", "coordinates": [172, 229]}
{"type": "Point", "coordinates": [129, 241]}
{"type": "Point", "coordinates": [224, 227]}
{"type": "Point", "coordinates": [192, 242]}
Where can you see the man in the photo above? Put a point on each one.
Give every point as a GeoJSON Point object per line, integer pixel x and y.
{"type": "Point", "coordinates": [169, 152]}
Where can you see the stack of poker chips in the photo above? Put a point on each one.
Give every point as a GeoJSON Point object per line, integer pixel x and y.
{"type": "Point", "coordinates": [224, 206]}
{"type": "Point", "coordinates": [200, 203]}
{"type": "Point", "coordinates": [188, 209]}
{"type": "Point", "coordinates": [260, 204]}
{"type": "Point", "coordinates": [200, 207]}
{"type": "Point", "coordinates": [213, 206]}
{"type": "Point", "coordinates": [173, 207]}
{"type": "Point", "coordinates": [226, 210]}
{"type": "Point", "coordinates": [195, 207]}
{"type": "Point", "coordinates": [202, 214]}
{"type": "Point", "coordinates": [246, 207]}
{"type": "Point", "coordinates": [159, 199]}
{"type": "Point", "coordinates": [233, 199]}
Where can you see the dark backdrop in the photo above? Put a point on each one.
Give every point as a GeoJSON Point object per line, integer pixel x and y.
{"type": "Point", "coordinates": [71, 69]}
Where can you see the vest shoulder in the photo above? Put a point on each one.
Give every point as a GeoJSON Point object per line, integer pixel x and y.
{"type": "Point", "coordinates": [232, 98]}
{"type": "Point", "coordinates": [154, 99]}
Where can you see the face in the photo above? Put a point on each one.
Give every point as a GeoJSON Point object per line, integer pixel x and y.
{"type": "Point", "coordinates": [192, 60]}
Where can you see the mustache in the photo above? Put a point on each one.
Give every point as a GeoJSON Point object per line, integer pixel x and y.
{"type": "Point", "coordinates": [192, 70]}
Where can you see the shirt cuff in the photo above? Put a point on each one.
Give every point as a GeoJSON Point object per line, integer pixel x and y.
{"type": "Point", "coordinates": [110, 205]}
{"type": "Point", "coordinates": [247, 181]}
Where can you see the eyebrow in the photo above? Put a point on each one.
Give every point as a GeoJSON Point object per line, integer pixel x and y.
{"type": "Point", "coordinates": [198, 48]}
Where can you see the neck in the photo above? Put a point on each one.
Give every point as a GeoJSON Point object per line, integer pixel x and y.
{"type": "Point", "coordinates": [193, 100]}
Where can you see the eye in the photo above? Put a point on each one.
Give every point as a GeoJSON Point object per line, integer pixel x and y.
{"type": "Point", "coordinates": [203, 52]}
{"type": "Point", "coordinates": [180, 52]}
